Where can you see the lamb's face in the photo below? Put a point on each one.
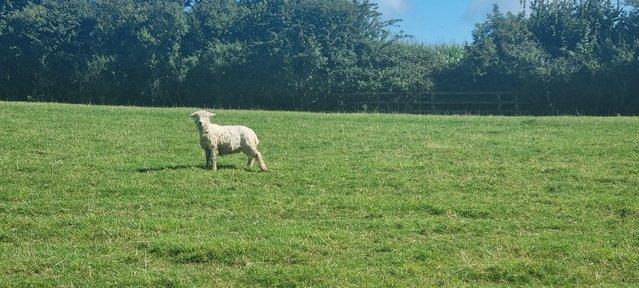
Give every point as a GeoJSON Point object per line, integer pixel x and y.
{"type": "Point", "coordinates": [201, 117]}
{"type": "Point", "coordinates": [199, 120]}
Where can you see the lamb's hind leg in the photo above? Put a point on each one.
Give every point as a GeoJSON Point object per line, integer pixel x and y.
{"type": "Point", "coordinates": [250, 161]}
{"type": "Point", "coordinates": [260, 160]}
{"type": "Point", "coordinates": [254, 154]}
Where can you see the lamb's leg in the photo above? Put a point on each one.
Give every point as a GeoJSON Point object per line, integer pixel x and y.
{"type": "Point", "coordinates": [250, 161]}
{"type": "Point", "coordinates": [260, 161]}
{"type": "Point", "coordinates": [254, 155]}
{"type": "Point", "coordinates": [213, 159]}
{"type": "Point", "coordinates": [207, 157]}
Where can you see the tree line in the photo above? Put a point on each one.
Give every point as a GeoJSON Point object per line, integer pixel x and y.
{"type": "Point", "coordinates": [561, 56]}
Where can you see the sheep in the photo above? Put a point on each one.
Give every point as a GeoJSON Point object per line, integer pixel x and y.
{"type": "Point", "coordinates": [223, 140]}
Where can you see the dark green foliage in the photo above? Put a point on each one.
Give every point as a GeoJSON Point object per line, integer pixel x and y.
{"type": "Point", "coordinates": [45, 48]}
{"type": "Point", "coordinates": [562, 56]}
{"type": "Point", "coordinates": [565, 56]}
{"type": "Point", "coordinates": [272, 54]}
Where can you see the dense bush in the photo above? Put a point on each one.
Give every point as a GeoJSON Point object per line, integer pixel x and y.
{"type": "Point", "coordinates": [277, 54]}
{"type": "Point", "coordinates": [563, 56]}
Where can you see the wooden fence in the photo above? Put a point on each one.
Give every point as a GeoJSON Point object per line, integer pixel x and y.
{"type": "Point", "coordinates": [503, 103]}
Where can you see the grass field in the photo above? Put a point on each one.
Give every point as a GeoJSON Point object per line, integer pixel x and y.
{"type": "Point", "coordinates": [115, 196]}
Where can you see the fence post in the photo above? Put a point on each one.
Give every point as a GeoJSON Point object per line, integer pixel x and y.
{"type": "Point", "coordinates": [516, 98]}
{"type": "Point", "coordinates": [499, 103]}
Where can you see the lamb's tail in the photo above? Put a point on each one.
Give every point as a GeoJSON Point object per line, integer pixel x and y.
{"type": "Point", "coordinates": [253, 137]}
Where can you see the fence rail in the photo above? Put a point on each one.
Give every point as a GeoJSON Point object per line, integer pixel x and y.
{"type": "Point", "coordinates": [437, 102]}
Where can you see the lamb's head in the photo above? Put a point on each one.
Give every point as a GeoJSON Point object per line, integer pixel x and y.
{"type": "Point", "coordinates": [201, 117]}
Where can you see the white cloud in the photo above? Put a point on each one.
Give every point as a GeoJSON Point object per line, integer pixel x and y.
{"type": "Point", "coordinates": [477, 9]}
{"type": "Point", "coordinates": [392, 6]}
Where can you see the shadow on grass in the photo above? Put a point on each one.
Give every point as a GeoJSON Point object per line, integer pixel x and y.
{"type": "Point", "coordinates": [183, 167]}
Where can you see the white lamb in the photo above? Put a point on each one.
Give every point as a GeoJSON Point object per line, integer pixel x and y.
{"type": "Point", "coordinates": [222, 140]}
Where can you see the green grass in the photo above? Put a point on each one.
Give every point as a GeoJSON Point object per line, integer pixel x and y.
{"type": "Point", "coordinates": [116, 196]}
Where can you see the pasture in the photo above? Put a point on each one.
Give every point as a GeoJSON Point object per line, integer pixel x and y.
{"type": "Point", "coordinates": [117, 196]}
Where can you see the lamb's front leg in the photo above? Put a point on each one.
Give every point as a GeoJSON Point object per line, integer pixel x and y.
{"type": "Point", "coordinates": [207, 158]}
{"type": "Point", "coordinates": [213, 158]}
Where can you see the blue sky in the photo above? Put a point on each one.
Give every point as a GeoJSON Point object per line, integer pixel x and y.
{"type": "Point", "coordinates": [441, 21]}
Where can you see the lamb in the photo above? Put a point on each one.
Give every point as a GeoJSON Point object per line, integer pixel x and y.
{"type": "Point", "coordinates": [223, 140]}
